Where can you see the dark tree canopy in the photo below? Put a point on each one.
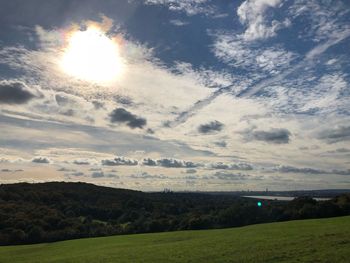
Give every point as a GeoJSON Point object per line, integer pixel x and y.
{"type": "Point", "coordinates": [32, 213]}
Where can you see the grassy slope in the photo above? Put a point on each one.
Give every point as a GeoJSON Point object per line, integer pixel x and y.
{"type": "Point", "coordinates": [323, 240]}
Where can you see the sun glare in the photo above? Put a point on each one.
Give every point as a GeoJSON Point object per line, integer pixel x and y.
{"type": "Point", "coordinates": [92, 56]}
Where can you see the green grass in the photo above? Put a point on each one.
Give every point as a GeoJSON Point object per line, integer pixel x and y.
{"type": "Point", "coordinates": [321, 240]}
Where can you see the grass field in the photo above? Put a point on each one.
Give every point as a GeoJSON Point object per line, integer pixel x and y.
{"type": "Point", "coordinates": [321, 240]}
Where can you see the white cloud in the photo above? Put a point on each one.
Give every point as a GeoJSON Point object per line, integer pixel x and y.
{"type": "Point", "coordinates": [325, 95]}
{"type": "Point", "coordinates": [238, 53]}
{"type": "Point", "coordinates": [190, 7]}
{"type": "Point", "coordinates": [177, 22]}
{"type": "Point", "coordinates": [252, 14]}
{"type": "Point", "coordinates": [273, 59]}
{"type": "Point", "coordinates": [205, 77]}
{"type": "Point", "coordinates": [323, 18]}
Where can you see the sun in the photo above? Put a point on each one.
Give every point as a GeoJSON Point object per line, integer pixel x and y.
{"type": "Point", "coordinates": [92, 56]}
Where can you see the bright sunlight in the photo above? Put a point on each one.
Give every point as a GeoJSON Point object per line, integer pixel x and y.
{"type": "Point", "coordinates": [92, 56]}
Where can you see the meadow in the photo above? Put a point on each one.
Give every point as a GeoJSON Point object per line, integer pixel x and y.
{"type": "Point", "coordinates": [313, 240]}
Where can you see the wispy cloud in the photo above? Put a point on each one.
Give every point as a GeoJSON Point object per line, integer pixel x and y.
{"type": "Point", "coordinates": [177, 22]}
{"type": "Point", "coordinates": [190, 7]}
{"type": "Point", "coordinates": [336, 134]}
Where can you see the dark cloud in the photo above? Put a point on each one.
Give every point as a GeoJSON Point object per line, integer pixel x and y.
{"type": "Point", "coordinates": [291, 169]}
{"type": "Point", "coordinates": [111, 175]}
{"type": "Point", "coordinates": [97, 104]}
{"type": "Point", "coordinates": [238, 166]}
{"type": "Point", "coordinates": [100, 174]}
{"type": "Point", "coordinates": [40, 160]}
{"type": "Point", "coordinates": [95, 169]}
{"type": "Point", "coordinates": [146, 175]}
{"type": "Point", "coordinates": [312, 147]}
{"type": "Point", "coordinates": [306, 170]}
{"type": "Point", "coordinates": [89, 119]}
{"type": "Point", "coordinates": [222, 144]}
{"type": "Point", "coordinates": [191, 177]}
{"type": "Point", "coordinates": [150, 131]}
{"type": "Point", "coordinates": [191, 183]}
{"type": "Point", "coordinates": [68, 104]}
{"type": "Point", "coordinates": [14, 92]}
{"type": "Point", "coordinates": [166, 124]}
{"type": "Point", "coordinates": [123, 100]}
{"type": "Point", "coordinates": [213, 126]}
{"type": "Point", "coordinates": [68, 112]}
{"type": "Point", "coordinates": [174, 163]}
{"type": "Point", "coordinates": [81, 162]}
{"type": "Point", "coordinates": [241, 166]}
{"type": "Point", "coordinates": [170, 163]}
{"type": "Point", "coordinates": [222, 175]}
{"type": "Point", "coordinates": [219, 166]}
{"type": "Point", "coordinates": [341, 172]}
{"type": "Point", "coordinates": [277, 136]}
{"type": "Point", "coordinates": [77, 174]}
{"type": "Point", "coordinates": [121, 115]}
{"type": "Point", "coordinates": [119, 161]}
{"type": "Point", "coordinates": [149, 162]}
{"type": "Point", "coordinates": [64, 169]}
{"type": "Point", "coordinates": [97, 174]}
{"type": "Point", "coordinates": [11, 171]}
{"type": "Point", "coordinates": [342, 150]}
{"type": "Point", "coordinates": [341, 133]}
{"type": "Point", "coordinates": [339, 151]}
{"type": "Point", "coordinates": [62, 99]}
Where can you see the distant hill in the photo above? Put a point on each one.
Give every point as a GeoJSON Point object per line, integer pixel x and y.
{"type": "Point", "coordinates": [46, 212]}
{"type": "Point", "coordinates": [296, 193]}
{"type": "Point", "coordinates": [317, 240]}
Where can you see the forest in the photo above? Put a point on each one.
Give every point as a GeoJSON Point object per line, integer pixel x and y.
{"type": "Point", "coordinates": [47, 212]}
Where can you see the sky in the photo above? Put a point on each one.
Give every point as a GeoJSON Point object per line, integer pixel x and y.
{"type": "Point", "coordinates": [188, 95]}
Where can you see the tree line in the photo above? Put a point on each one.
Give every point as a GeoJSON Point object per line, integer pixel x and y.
{"type": "Point", "coordinates": [47, 212]}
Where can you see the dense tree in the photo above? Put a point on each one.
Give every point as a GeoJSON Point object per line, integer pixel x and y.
{"type": "Point", "coordinates": [32, 213]}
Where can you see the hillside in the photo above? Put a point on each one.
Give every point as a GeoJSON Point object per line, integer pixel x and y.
{"type": "Point", "coordinates": [47, 212]}
{"type": "Point", "coordinates": [317, 240]}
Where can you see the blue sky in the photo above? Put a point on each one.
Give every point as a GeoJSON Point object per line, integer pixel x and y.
{"type": "Point", "coordinates": [213, 95]}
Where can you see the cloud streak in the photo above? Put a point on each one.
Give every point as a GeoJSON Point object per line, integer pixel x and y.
{"type": "Point", "coordinates": [337, 134]}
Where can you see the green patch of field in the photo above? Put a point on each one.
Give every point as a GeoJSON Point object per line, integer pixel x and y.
{"type": "Point", "coordinates": [321, 240]}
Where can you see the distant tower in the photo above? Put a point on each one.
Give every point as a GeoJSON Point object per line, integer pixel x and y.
{"type": "Point", "coordinates": [267, 189]}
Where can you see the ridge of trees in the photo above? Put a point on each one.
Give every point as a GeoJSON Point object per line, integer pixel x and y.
{"type": "Point", "coordinates": [47, 212]}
